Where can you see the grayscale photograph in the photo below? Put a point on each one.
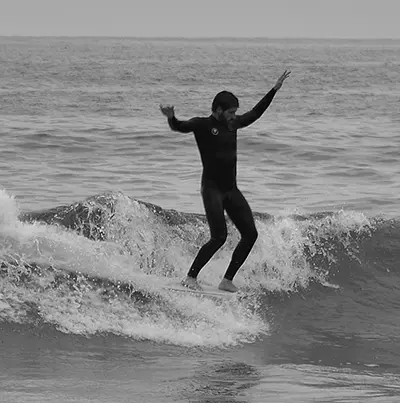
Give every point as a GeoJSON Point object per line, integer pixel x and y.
{"type": "Point", "coordinates": [199, 201]}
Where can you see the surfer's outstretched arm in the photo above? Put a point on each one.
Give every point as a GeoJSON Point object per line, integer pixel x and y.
{"type": "Point", "coordinates": [183, 126]}
{"type": "Point", "coordinates": [250, 117]}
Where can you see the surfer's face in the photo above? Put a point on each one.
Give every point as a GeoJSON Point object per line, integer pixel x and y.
{"type": "Point", "coordinates": [227, 116]}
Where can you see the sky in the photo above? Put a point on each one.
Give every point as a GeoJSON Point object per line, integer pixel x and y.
{"type": "Point", "coordinates": [202, 18]}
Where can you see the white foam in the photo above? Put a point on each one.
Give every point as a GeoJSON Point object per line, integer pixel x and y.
{"type": "Point", "coordinates": [82, 309]}
{"type": "Point", "coordinates": [142, 250]}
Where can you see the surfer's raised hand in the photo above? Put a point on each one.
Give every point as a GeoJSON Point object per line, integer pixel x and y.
{"type": "Point", "coordinates": [167, 111]}
{"type": "Point", "coordinates": [281, 79]}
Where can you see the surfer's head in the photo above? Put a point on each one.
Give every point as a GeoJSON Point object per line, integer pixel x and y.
{"type": "Point", "coordinates": [224, 106]}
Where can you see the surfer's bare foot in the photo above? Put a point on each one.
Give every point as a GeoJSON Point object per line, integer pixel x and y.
{"type": "Point", "coordinates": [227, 285]}
{"type": "Point", "coordinates": [191, 283]}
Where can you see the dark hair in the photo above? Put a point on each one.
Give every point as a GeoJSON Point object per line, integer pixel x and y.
{"type": "Point", "coordinates": [225, 100]}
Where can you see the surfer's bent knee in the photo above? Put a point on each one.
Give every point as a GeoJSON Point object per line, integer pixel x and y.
{"type": "Point", "coordinates": [252, 236]}
{"type": "Point", "coordinates": [219, 240]}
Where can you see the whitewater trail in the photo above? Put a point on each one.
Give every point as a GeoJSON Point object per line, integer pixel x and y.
{"type": "Point", "coordinates": [99, 266]}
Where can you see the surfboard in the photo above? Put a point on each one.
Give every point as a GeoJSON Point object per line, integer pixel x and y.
{"type": "Point", "coordinates": [208, 291]}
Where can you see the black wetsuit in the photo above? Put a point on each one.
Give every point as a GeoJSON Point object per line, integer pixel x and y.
{"type": "Point", "coordinates": [217, 144]}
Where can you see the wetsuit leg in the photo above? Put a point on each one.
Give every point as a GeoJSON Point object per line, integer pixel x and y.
{"type": "Point", "coordinates": [213, 205]}
{"type": "Point", "coordinates": [241, 215]}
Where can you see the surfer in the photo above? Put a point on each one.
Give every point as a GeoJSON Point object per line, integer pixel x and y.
{"type": "Point", "coordinates": [216, 138]}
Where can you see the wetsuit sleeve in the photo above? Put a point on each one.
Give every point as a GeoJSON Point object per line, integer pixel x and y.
{"type": "Point", "coordinates": [250, 117]}
{"type": "Point", "coordinates": [183, 126]}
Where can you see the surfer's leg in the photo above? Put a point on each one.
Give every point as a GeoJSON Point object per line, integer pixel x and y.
{"type": "Point", "coordinates": [213, 205]}
{"type": "Point", "coordinates": [241, 215]}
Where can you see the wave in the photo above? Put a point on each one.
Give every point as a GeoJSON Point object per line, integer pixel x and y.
{"type": "Point", "coordinates": [99, 266]}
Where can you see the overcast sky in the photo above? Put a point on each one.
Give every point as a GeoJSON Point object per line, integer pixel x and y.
{"type": "Point", "coordinates": [204, 18]}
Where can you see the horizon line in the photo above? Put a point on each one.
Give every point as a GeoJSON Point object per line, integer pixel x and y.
{"type": "Point", "coordinates": [204, 37]}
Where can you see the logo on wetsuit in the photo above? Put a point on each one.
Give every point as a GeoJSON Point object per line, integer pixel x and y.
{"type": "Point", "coordinates": [214, 131]}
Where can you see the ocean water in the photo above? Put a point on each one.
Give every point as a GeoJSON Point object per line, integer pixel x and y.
{"type": "Point", "coordinates": [100, 208]}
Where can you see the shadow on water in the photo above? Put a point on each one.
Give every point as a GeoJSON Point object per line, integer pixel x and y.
{"type": "Point", "coordinates": [221, 381]}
